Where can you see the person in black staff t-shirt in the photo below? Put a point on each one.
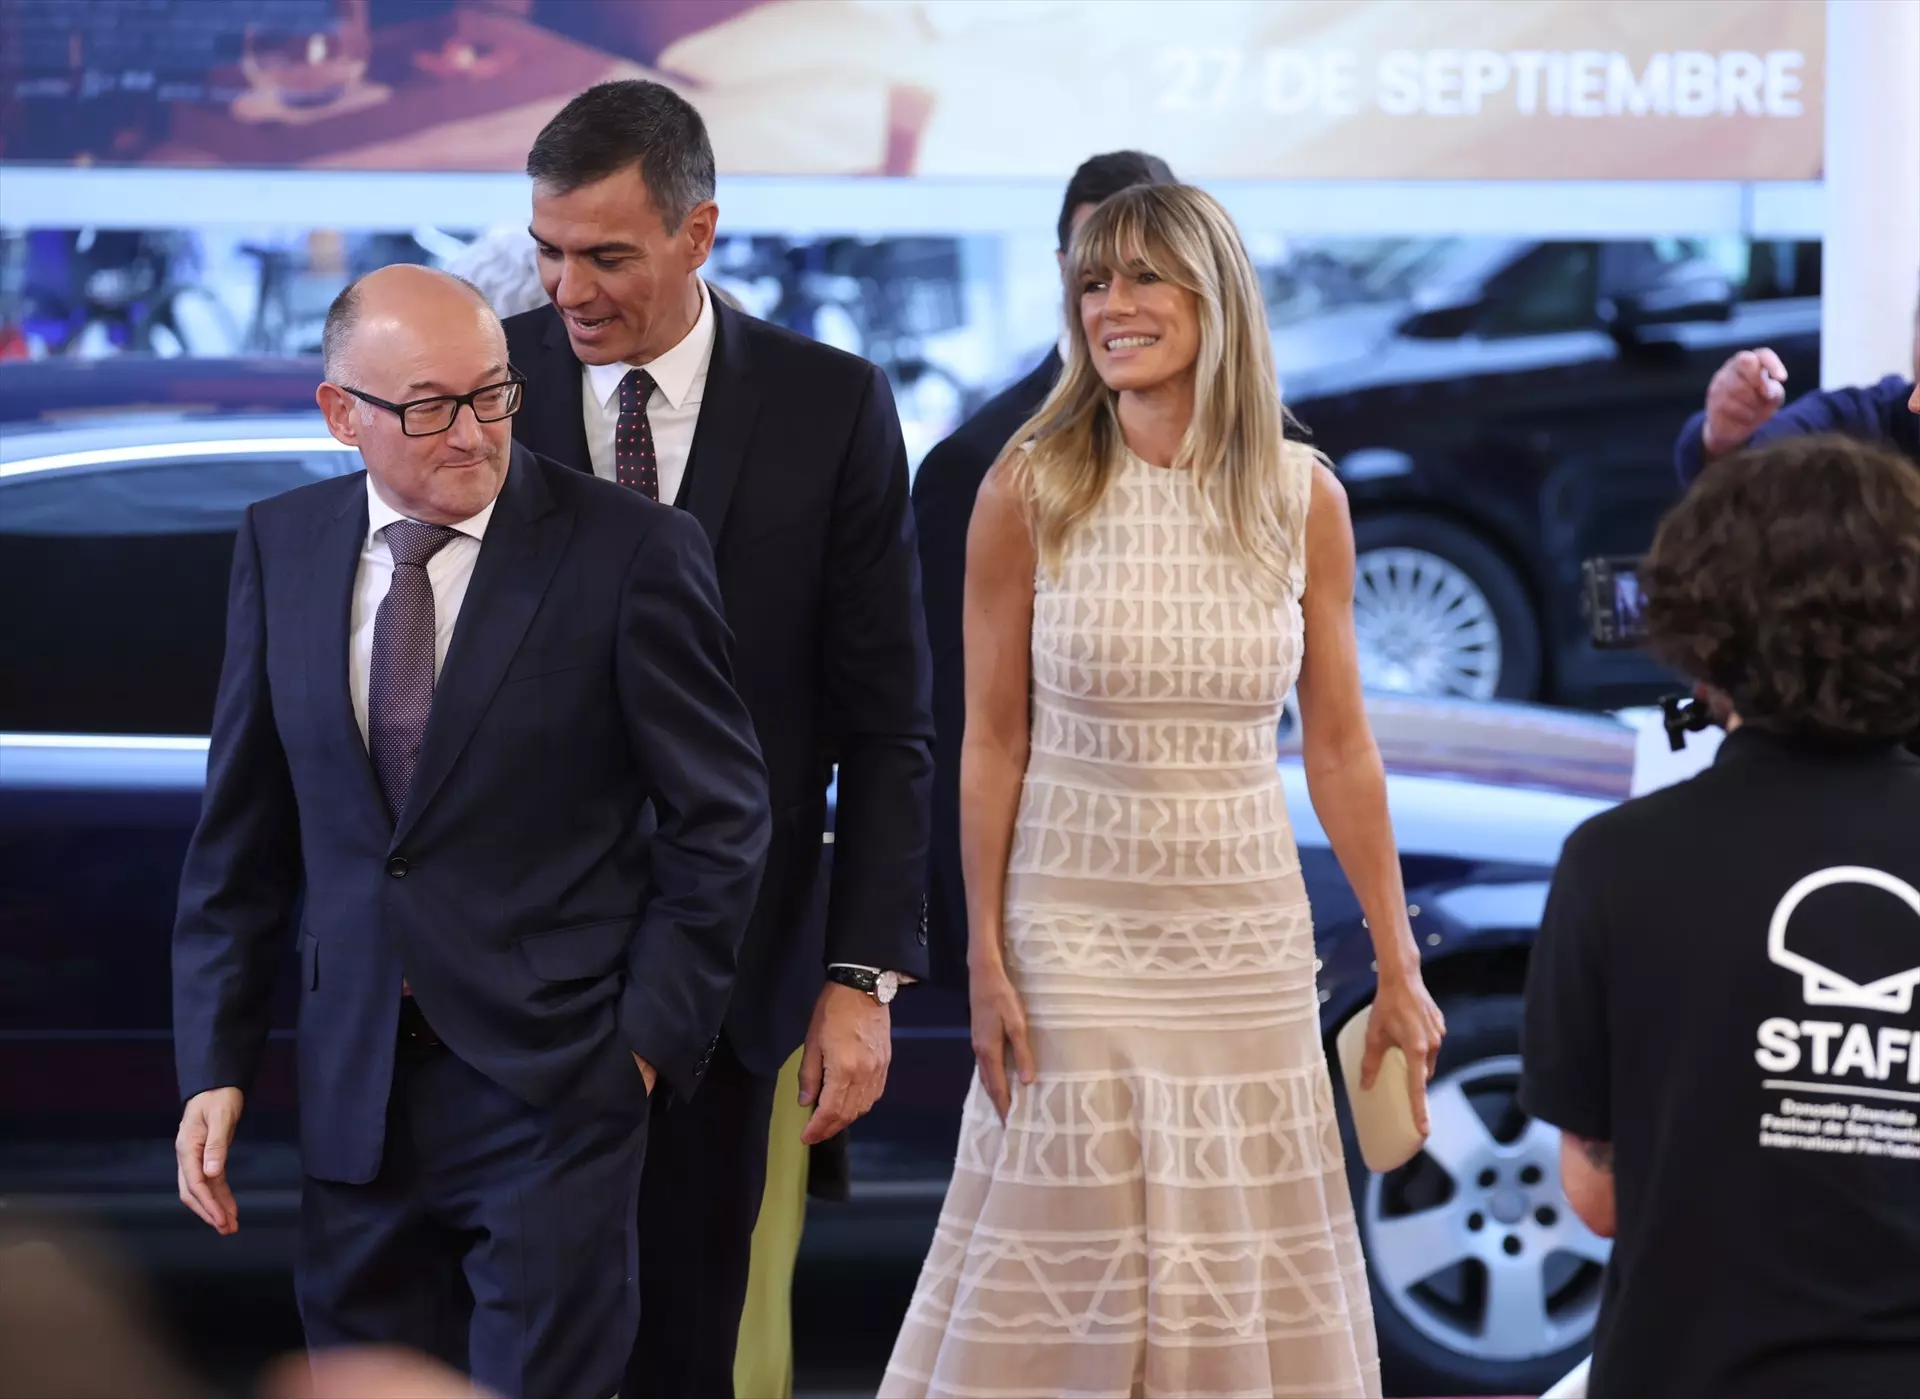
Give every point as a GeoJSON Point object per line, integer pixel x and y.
{"type": "Point", "coordinates": [1723, 1008]}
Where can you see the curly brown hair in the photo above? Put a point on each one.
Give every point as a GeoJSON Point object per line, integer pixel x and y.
{"type": "Point", "coordinates": [1789, 579]}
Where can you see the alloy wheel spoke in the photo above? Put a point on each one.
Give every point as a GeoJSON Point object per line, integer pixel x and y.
{"type": "Point", "coordinates": [1517, 1323]}
{"type": "Point", "coordinates": [1459, 1138]}
{"type": "Point", "coordinates": [1410, 1248]}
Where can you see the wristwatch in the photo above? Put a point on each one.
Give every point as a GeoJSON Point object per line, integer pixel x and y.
{"type": "Point", "coordinates": [882, 986]}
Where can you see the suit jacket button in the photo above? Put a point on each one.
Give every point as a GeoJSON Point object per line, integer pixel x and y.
{"type": "Point", "coordinates": [397, 867]}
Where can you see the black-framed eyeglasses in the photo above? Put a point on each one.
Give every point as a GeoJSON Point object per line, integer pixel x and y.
{"type": "Point", "coordinates": [428, 417]}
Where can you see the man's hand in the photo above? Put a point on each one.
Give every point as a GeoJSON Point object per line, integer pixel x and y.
{"type": "Point", "coordinates": [1746, 391]}
{"type": "Point", "coordinates": [648, 1074]}
{"type": "Point", "coordinates": [200, 1156]}
{"type": "Point", "coordinates": [850, 1045]}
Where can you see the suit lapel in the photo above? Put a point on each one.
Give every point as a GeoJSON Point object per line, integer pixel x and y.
{"type": "Point", "coordinates": [725, 427]}
{"type": "Point", "coordinates": [556, 427]}
{"type": "Point", "coordinates": [329, 596]}
{"type": "Point", "coordinates": [526, 537]}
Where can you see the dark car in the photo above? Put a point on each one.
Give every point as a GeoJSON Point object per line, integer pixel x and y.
{"type": "Point", "coordinates": [114, 548]}
{"type": "Point", "coordinates": [1500, 410]}
{"type": "Point", "coordinates": [50, 392]}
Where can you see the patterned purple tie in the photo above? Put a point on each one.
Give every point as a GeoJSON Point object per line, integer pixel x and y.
{"type": "Point", "coordinates": [400, 680]}
{"type": "Point", "coordinates": [634, 462]}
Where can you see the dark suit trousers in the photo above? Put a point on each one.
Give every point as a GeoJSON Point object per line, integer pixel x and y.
{"type": "Point", "coordinates": [706, 1168]}
{"type": "Point", "coordinates": [497, 1236]}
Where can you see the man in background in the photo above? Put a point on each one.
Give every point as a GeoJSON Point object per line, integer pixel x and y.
{"type": "Point", "coordinates": [1745, 408]}
{"type": "Point", "coordinates": [943, 491]}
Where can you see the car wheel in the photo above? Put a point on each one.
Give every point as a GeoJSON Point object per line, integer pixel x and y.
{"type": "Point", "coordinates": [1484, 1280]}
{"type": "Point", "coordinates": [1436, 611]}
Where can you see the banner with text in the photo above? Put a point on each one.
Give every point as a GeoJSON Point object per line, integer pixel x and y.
{"type": "Point", "coordinates": [1224, 89]}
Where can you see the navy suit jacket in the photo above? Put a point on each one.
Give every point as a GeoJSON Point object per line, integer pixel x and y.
{"type": "Point", "coordinates": [1875, 414]}
{"type": "Point", "coordinates": [798, 476]}
{"type": "Point", "coordinates": [943, 496]}
{"type": "Point", "coordinates": [578, 855]}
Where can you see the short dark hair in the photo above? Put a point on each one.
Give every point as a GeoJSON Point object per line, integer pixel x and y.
{"type": "Point", "coordinates": [631, 122]}
{"type": "Point", "coordinates": [1101, 177]}
{"type": "Point", "coordinates": [1789, 579]}
{"type": "Point", "coordinates": [343, 314]}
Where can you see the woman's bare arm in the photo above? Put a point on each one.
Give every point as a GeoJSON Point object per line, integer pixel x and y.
{"type": "Point", "coordinates": [1348, 785]}
{"type": "Point", "coordinates": [997, 624]}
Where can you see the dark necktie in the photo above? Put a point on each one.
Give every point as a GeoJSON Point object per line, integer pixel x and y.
{"type": "Point", "coordinates": [400, 679]}
{"type": "Point", "coordinates": [634, 462]}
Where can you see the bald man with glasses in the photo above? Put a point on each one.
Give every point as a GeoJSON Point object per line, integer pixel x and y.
{"type": "Point", "coordinates": [478, 757]}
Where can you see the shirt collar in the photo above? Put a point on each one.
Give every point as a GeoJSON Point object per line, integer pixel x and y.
{"type": "Point", "coordinates": [674, 372]}
{"type": "Point", "coordinates": [380, 515]}
{"type": "Point", "coordinates": [1749, 743]}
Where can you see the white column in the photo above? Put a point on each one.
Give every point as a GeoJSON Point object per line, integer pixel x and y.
{"type": "Point", "coordinates": [1870, 271]}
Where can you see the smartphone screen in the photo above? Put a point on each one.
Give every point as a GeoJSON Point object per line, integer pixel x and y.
{"type": "Point", "coordinates": [1614, 604]}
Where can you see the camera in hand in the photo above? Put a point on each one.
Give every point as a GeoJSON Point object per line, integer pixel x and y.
{"type": "Point", "coordinates": [1615, 607]}
{"type": "Point", "coordinates": [1611, 598]}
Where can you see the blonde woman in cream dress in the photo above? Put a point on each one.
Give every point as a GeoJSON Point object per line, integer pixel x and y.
{"type": "Point", "coordinates": [1150, 1197]}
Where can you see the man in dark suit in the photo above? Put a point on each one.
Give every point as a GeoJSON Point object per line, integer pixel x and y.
{"type": "Point", "coordinates": [476, 729]}
{"type": "Point", "coordinates": [788, 454]}
{"type": "Point", "coordinates": [943, 491]}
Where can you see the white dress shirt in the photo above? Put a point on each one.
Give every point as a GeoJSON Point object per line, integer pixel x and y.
{"type": "Point", "coordinates": [673, 412]}
{"type": "Point", "coordinates": [673, 409]}
{"type": "Point", "coordinates": [449, 571]}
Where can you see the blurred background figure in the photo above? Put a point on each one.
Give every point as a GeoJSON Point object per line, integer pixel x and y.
{"type": "Point", "coordinates": [503, 264]}
{"type": "Point", "coordinates": [371, 1373]}
{"type": "Point", "coordinates": [1744, 408]}
{"type": "Point", "coordinates": [74, 1326]}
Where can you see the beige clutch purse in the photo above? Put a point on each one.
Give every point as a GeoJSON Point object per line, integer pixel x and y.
{"type": "Point", "coordinates": [1383, 1114]}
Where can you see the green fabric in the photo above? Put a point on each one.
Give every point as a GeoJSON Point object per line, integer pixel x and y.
{"type": "Point", "coordinates": [763, 1355]}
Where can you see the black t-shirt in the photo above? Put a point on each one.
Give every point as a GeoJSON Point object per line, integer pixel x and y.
{"type": "Point", "coordinates": [1727, 988]}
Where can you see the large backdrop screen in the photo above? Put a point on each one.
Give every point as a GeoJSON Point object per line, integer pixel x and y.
{"type": "Point", "coordinates": [1225, 89]}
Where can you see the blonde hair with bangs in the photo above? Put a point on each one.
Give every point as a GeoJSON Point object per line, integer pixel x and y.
{"type": "Point", "coordinates": [1250, 478]}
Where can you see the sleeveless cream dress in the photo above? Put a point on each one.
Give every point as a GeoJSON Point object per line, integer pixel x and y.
{"type": "Point", "coordinates": [1165, 1212]}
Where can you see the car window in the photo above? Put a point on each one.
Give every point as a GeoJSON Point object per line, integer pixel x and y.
{"type": "Point", "coordinates": [1551, 289]}
{"type": "Point", "coordinates": [1781, 270]}
{"type": "Point", "coordinates": [1636, 266]}
{"type": "Point", "coordinates": [113, 587]}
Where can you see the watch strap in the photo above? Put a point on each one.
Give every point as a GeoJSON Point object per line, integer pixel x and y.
{"type": "Point", "coordinates": [859, 978]}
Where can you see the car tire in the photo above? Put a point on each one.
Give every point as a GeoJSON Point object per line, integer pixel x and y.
{"type": "Point", "coordinates": [1483, 1034]}
{"type": "Point", "coordinates": [1486, 585]}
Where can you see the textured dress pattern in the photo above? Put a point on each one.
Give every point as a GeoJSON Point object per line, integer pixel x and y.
{"type": "Point", "coordinates": [1165, 1212]}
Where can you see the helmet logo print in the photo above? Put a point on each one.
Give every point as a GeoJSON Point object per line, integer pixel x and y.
{"type": "Point", "coordinates": [1823, 986]}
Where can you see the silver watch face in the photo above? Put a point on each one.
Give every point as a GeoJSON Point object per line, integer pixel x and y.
{"type": "Point", "coordinates": [886, 986]}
